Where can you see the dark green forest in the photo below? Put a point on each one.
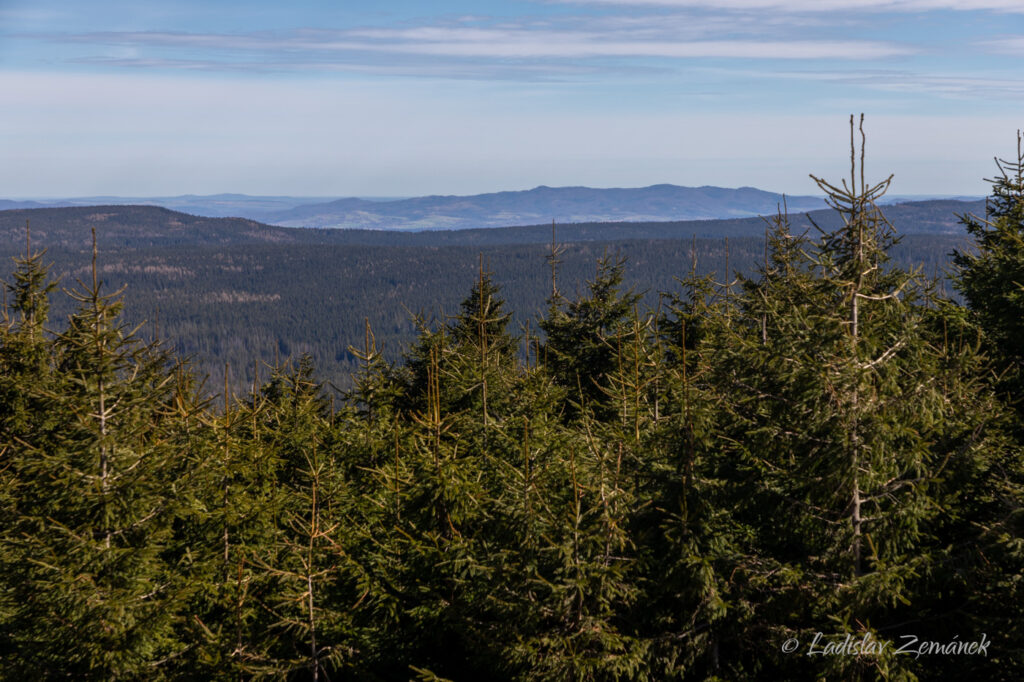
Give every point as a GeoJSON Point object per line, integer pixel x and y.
{"type": "Point", "coordinates": [238, 292]}
{"type": "Point", "coordinates": [817, 440]}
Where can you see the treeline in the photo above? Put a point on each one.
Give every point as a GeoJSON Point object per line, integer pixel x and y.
{"type": "Point", "coordinates": [827, 446]}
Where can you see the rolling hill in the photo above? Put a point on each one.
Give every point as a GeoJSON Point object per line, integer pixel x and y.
{"type": "Point", "coordinates": [150, 226]}
{"type": "Point", "coordinates": [234, 290]}
{"type": "Point", "coordinates": [541, 204]}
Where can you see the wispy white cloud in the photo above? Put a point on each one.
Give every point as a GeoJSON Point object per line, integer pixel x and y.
{"type": "Point", "coordinates": [964, 87]}
{"type": "Point", "coordinates": [954, 87]}
{"type": "Point", "coordinates": [554, 45]}
{"type": "Point", "coordinates": [1011, 46]}
{"type": "Point", "coordinates": [411, 68]}
{"type": "Point", "coordinates": [722, 92]}
{"type": "Point", "coordinates": [819, 5]}
{"type": "Point", "coordinates": [137, 134]}
{"type": "Point", "coordinates": [463, 42]}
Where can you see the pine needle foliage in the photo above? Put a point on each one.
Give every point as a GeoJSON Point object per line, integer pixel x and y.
{"type": "Point", "coordinates": [991, 276]}
{"type": "Point", "coordinates": [95, 505]}
{"type": "Point", "coordinates": [826, 446]}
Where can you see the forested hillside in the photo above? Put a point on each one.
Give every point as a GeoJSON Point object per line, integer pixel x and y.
{"type": "Point", "coordinates": [234, 291]}
{"type": "Point", "coordinates": [720, 487]}
{"type": "Point", "coordinates": [261, 302]}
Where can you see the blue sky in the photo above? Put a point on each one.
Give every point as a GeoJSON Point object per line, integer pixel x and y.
{"type": "Point", "coordinates": [397, 98]}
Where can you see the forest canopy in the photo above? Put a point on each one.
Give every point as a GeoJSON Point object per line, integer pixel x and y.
{"type": "Point", "coordinates": [826, 446]}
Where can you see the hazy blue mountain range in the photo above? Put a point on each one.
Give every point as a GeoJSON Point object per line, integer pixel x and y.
{"type": "Point", "coordinates": [8, 204]}
{"type": "Point", "coordinates": [541, 205]}
{"type": "Point", "coordinates": [147, 226]}
{"type": "Point", "coordinates": [208, 205]}
{"type": "Point", "coordinates": [497, 209]}
{"type": "Point", "coordinates": [657, 203]}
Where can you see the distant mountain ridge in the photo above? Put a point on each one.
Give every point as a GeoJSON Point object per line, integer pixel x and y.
{"type": "Point", "coordinates": [10, 204]}
{"type": "Point", "coordinates": [154, 226]}
{"type": "Point", "coordinates": [206, 205]}
{"type": "Point", "coordinates": [656, 203]}
{"type": "Point", "coordinates": [542, 204]}
{"type": "Point", "coordinates": [133, 227]}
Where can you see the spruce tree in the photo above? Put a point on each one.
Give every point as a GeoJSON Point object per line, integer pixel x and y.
{"type": "Point", "coordinates": [25, 367]}
{"type": "Point", "coordinates": [991, 276]}
{"type": "Point", "coordinates": [846, 422]}
{"type": "Point", "coordinates": [484, 362]}
{"type": "Point", "coordinates": [580, 349]}
{"type": "Point", "coordinates": [690, 604]}
{"type": "Point", "coordinates": [308, 632]}
{"type": "Point", "coordinates": [25, 351]}
{"type": "Point", "coordinates": [94, 595]}
{"type": "Point", "coordinates": [228, 521]}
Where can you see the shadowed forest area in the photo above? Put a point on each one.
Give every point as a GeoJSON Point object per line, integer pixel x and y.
{"type": "Point", "coordinates": [675, 487]}
{"type": "Point", "coordinates": [237, 292]}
